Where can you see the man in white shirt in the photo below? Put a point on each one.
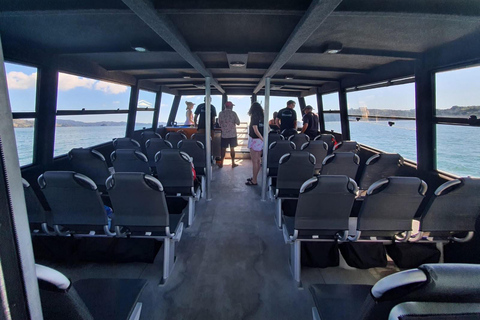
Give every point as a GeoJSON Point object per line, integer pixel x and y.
{"type": "Point", "coordinates": [228, 121]}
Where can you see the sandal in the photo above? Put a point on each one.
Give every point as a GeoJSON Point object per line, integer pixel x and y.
{"type": "Point", "coordinates": [249, 179]}
{"type": "Point", "coordinates": [250, 183]}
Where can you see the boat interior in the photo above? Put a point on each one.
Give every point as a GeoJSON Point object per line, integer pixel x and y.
{"type": "Point", "coordinates": [335, 228]}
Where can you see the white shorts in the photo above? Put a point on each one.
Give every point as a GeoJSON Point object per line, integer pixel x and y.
{"type": "Point", "coordinates": [255, 144]}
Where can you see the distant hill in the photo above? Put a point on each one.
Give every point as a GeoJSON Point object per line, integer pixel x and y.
{"type": "Point", "coordinates": [20, 123]}
{"type": "Point", "coordinates": [455, 111]}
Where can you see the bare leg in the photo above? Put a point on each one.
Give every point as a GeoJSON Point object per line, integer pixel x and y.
{"type": "Point", "coordinates": [224, 151]}
{"type": "Point", "coordinates": [232, 155]}
{"type": "Point", "coordinates": [256, 164]}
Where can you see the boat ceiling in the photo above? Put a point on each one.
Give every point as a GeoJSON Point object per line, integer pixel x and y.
{"type": "Point", "coordinates": [282, 39]}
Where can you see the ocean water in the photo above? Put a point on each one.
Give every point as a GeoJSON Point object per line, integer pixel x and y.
{"type": "Point", "coordinates": [458, 147]}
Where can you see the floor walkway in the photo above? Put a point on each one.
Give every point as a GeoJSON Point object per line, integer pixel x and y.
{"type": "Point", "coordinates": [231, 264]}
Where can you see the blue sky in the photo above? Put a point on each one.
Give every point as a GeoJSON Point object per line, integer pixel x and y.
{"type": "Point", "coordinates": [458, 87]}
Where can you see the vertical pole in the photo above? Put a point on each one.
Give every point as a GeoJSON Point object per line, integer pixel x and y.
{"type": "Point", "coordinates": [208, 134]}
{"type": "Point", "coordinates": [46, 108]}
{"type": "Point", "coordinates": [265, 138]}
{"type": "Point", "coordinates": [173, 111]}
{"type": "Point", "coordinates": [132, 111]}
{"type": "Point", "coordinates": [301, 102]}
{"type": "Point", "coordinates": [253, 98]}
{"type": "Point", "coordinates": [425, 116]}
{"type": "Point", "coordinates": [321, 116]}
{"type": "Point", "coordinates": [156, 111]}
{"type": "Point", "coordinates": [342, 97]}
{"type": "Point", "coordinates": [224, 100]}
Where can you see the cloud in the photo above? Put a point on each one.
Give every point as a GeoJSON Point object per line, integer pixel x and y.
{"type": "Point", "coordinates": [68, 82]}
{"type": "Point", "coordinates": [145, 104]}
{"type": "Point", "coordinates": [240, 97]}
{"type": "Point", "coordinates": [111, 88]}
{"type": "Point", "coordinates": [21, 81]}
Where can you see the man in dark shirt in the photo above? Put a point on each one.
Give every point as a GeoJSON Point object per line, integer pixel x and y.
{"type": "Point", "coordinates": [310, 123]}
{"type": "Point", "coordinates": [287, 117]}
{"type": "Point", "coordinates": [200, 111]}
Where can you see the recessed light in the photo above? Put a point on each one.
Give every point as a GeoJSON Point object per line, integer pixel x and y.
{"type": "Point", "coordinates": [140, 49]}
{"type": "Point", "coordinates": [237, 64]}
{"type": "Point", "coordinates": [289, 77]}
{"type": "Point", "coordinates": [186, 77]}
{"type": "Point", "coordinates": [333, 48]}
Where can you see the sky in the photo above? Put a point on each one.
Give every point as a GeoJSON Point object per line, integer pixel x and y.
{"type": "Point", "coordinates": [459, 87]}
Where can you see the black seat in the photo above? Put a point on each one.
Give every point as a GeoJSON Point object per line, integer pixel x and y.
{"type": "Point", "coordinates": [86, 299]}
{"type": "Point", "coordinates": [145, 136]}
{"type": "Point", "coordinates": [342, 163]}
{"type": "Point", "coordinates": [153, 146]}
{"type": "Point", "coordinates": [288, 132]}
{"type": "Point", "coordinates": [276, 150]}
{"type": "Point", "coordinates": [380, 166]}
{"type": "Point", "coordinates": [175, 137]}
{"type": "Point", "coordinates": [389, 208]}
{"type": "Point", "coordinates": [452, 283]}
{"type": "Point", "coordinates": [91, 163]}
{"type": "Point", "coordinates": [75, 203]}
{"type": "Point", "coordinates": [327, 138]}
{"type": "Point", "coordinates": [452, 209]}
{"type": "Point", "coordinates": [322, 214]}
{"type": "Point", "coordinates": [141, 211]}
{"type": "Point", "coordinates": [294, 169]}
{"type": "Point", "coordinates": [299, 139]}
{"type": "Point", "coordinates": [174, 170]}
{"type": "Point", "coordinates": [129, 160]}
{"type": "Point", "coordinates": [319, 149]}
{"type": "Point", "coordinates": [196, 150]}
{"type": "Point", "coordinates": [435, 311]}
{"type": "Point", "coordinates": [38, 218]}
{"type": "Point", "coordinates": [126, 143]}
{"type": "Point", "coordinates": [274, 136]}
{"type": "Point", "coordinates": [346, 146]}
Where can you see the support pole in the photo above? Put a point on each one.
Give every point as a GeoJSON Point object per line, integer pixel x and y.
{"type": "Point", "coordinates": [173, 111]}
{"type": "Point", "coordinates": [156, 112]}
{"type": "Point", "coordinates": [132, 111]}
{"type": "Point", "coordinates": [342, 97]}
{"type": "Point", "coordinates": [265, 138]}
{"type": "Point", "coordinates": [253, 98]}
{"type": "Point", "coordinates": [301, 102]}
{"type": "Point", "coordinates": [208, 134]}
{"type": "Point", "coordinates": [321, 116]}
{"type": "Point", "coordinates": [224, 100]}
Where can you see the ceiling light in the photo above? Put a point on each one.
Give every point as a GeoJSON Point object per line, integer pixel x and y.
{"type": "Point", "coordinates": [237, 64]}
{"type": "Point", "coordinates": [289, 77]}
{"type": "Point", "coordinates": [186, 77]}
{"type": "Point", "coordinates": [140, 49]}
{"type": "Point", "coordinates": [333, 48]}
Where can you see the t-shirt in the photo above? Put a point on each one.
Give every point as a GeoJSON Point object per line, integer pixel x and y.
{"type": "Point", "coordinates": [228, 120]}
{"type": "Point", "coordinates": [255, 121]}
{"type": "Point", "coordinates": [288, 119]}
{"type": "Point", "coordinates": [312, 120]}
{"type": "Point", "coordinates": [201, 112]}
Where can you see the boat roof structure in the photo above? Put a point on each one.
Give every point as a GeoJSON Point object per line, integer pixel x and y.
{"type": "Point", "coordinates": [305, 47]}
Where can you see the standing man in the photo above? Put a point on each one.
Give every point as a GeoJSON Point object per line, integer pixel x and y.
{"type": "Point", "coordinates": [287, 117]}
{"type": "Point", "coordinates": [228, 121]}
{"type": "Point", "coordinates": [310, 123]}
{"type": "Point", "coordinates": [200, 111]}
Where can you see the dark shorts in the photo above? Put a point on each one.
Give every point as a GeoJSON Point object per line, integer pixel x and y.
{"type": "Point", "coordinates": [229, 141]}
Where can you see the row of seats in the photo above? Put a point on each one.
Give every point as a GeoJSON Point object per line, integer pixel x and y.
{"type": "Point", "coordinates": [172, 137]}
{"type": "Point", "coordinates": [76, 208]}
{"type": "Point", "coordinates": [387, 212]}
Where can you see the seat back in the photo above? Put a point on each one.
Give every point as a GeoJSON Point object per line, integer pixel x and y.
{"type": "Point", "coordinates": [73, 199]}
{"type": "Point", "coordinates": [174, 170]}
{"type": "Point", "coordinates": [390, 204]}
{"type": "Point", "coordinates": [35, 211]}
{"type": "Point", "coordinates": [126, 143]}
{"type": "Point", "coordinates": [147, 135]}
{"type": "Point", "coordinates": [288, 132]}
{"type": "Point", "coordinates": [325, 203]}
{"type": "Point", "coordinates": [299, 139]}
{"type": "Point", "coordinates": [435, 311]}
{"type": "Point", "coordinates": [175, 137]}
{"type": "Point", "coordinates": [129, 160]}
{"type": "Point", "coordinates": [91, 163]}
{"type": "Point", "coordinates": [153, 146]}
{"type": "Point", "coordinates": [454, 207]}
{"type": "Point", "coordinates": [380, 166]}
{"type": "Point", "coordinates": [196, 150]}
{"type": "Point", "coordinates": [294, 169]}
{"type": "Point", "coordinates": [327, 138]}
{"type": "Point", "coordinates": [342, 163]}
{"type": "Point", "coordinates": [275, 151]}
{"type": "Point", "coordinates": [346, 146]}
{"type": "Point", "coordinates": [138, 200]}
{"type": "Point", "coordinates": [453, 283]}
{"type": "Point", "coordinates": [319, 149]}
{"type": "Point", "coordinates": [273, 136]}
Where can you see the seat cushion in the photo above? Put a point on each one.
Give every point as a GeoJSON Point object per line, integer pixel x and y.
{"type": "Point", "coordinates": [339, 301]}
{"type": "Point", "coordinates": [110, 298]}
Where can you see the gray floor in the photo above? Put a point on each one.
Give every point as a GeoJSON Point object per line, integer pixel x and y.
{"type": "Point", "coordinates": [231, 264]}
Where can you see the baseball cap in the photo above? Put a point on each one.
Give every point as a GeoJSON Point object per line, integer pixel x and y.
{"type": "Point", "coordinates": [309, 107]}
{"type": "Point", "coordinates": [229, 104]}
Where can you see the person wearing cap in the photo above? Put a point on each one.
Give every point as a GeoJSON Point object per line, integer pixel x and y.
{"type": "Point", "coordinates": [189, 114]}
{"type": "Point", "coordinates": [200, 116]}
{"type": "Point", "coordinates": [228, 120]}
{"type": "Point", "coordinates": [310, 123]}
{"type": "Point", "coordinates": [287, 117]}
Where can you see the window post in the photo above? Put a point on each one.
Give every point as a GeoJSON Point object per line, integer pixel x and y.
{"type": "Point", "coordinates": [132, 111]}
{"type": "Point", "coordinates": [321, 116]}
{"type": "Point", "coordinates": [342, 97]}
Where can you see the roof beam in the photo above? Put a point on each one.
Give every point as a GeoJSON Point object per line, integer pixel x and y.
{"type": "Point", "coordinates": [263, 12]}
{"type": "Point", "coordinates": [316, 14]}
{"type": "Point", "coordinates": [406, 15]}
{"type": "Point", "coordinates": [364, 52]}
{"type": "Point", "coordinates": [164, 27]}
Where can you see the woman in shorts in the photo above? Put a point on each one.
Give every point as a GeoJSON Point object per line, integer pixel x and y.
{"type": "Point", "coordinates": [255, 140]}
